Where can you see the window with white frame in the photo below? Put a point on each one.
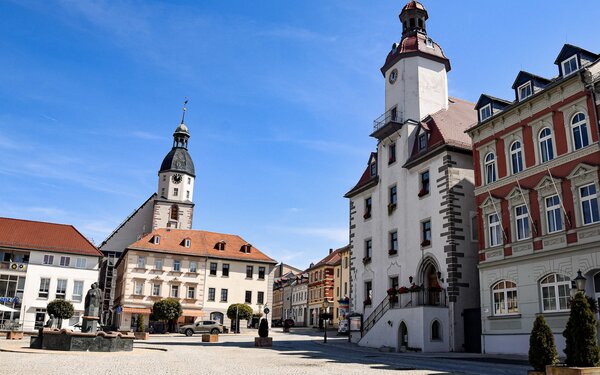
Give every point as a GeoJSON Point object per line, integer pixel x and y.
{"type": "Point", "coordinates": [516, 157]}
{"type": "Point", "coordinates": [156, 289]}
{"type": "Point", "coordinates": [554, 221]}
{"type": "Point", "coordinates": [61, 288]}
{"type": "Point", "coordinates": [555, 292]}
{"type": "Point", "coordinates": [158, 264]}
{"type": "Point", "coordinates": [77, 290]}
{"type": "Point", "coordinates": [494, 230]}
{"type": "Point", "coordinates": [393, 238]}
{"type": "Point", "coordinates": [589, 204]}
{"type": "Point", "coordinates": [546, 146]}
{"type": "Point", "coordinates": [193, 266]}
{"type": "Point", "coordinates": [44, 287]}
{"type": "Point", "coordinates": [65, 261]}
{"type": "Point", "coordinates": [368, 248]}
{"type": "Point", "coordinates": [525, 91]}
{"type": "Point", "coordinates": [48, 259]}
{"type": "Point", "coordinates": [570, 65]}
{"type": "Point", "coordinates": [191, 292]}
{"type": "Point", "coordinates": [187, 242]}
{"type": "Point", "coordinates": [139, 288]}
{"type": "Point", "coordinates": [141, 262]}
{"type": "Point", "coordinates": [485, 112]}
{"type": "Point", "coordinates": [504, 294]}
{"type": "Point", "coordinates": [80, 262]}
{"type": "Point", "coordinates": [422, 141]}
{"type": "Point", "coordinates": [579, 131]}
{"type": "Point", "coordinates": [522, 228]}
{"type": "Point", "coordinates": [174, 291]}
{"type": "Point", "coordinates": [490, 167]}
{"type": "Point", "coordinates": [176, 265]}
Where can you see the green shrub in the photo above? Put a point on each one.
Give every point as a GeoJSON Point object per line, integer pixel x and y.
{"type": "Point", "coordinates": [167, 309]}
{"type": "Point", "coordinates": [542, 351]}
{"type": "Point", "coordinates": [61, 309]}
{"type": "Point", "coordinates": [581, 341]}
{"type": "Point", "coordinates": [263, 328]}
{"type": "Point", "coordinates": [244, 312]}
{"type": "Point", "coordinates": [140, 324]}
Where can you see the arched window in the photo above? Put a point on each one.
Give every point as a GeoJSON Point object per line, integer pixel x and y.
{"type": "Point", "coordinates": [579, 131]}
{"type": "Point", "coordinates": [546, 147]}
{"type": "Point", "coordinates": [436, 331]}
{"type": "Point", "coordinates": [504, 295]}
{"type": "Point", "coordinates": [490, 168]}
{"type": "Point", "coordinates": [516, 157]}
{"type": "Point", "coordinates": [174, 212]}
{"type": "Point", "coordinates": [555, 290]}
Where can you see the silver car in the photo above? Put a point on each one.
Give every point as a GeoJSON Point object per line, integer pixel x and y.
{"type": "Point", "coordinates": [202, 326]}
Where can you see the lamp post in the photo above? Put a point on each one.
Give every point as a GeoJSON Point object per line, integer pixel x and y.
{"type": "Point", "coordinates": [580, 282]}
{"type": "Point", "coordinates": [326, 305]}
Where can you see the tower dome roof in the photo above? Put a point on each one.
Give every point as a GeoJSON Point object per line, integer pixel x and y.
{"type": "Point", "coordinates": [413, 5]}
{"type": "Point", "coordinates": [178, 160]}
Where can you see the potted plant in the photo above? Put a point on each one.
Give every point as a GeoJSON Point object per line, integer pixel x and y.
{"type": "Point", "coordinates": [140, 326]}
{"type": "Point", "coordinates": [392, 292]}
{"type": "Point", "coordinates": [366, 260]}
{"type": "Point", "coordinates": [392, 252]}
{"type": "Point", "coordinates": [583, 354]}
{"type": "Point", "coordinates": [542, 351]}
{"type": "Point", "coordinates": [403, 290]}
{"type": "Point", "coordinates": [391, 208]}
{"type": "Point", "coordinates": [263, 339]}
{"type": "Point", "coordinates": [425, 243]}
{"type": "Point", "coordinates": [367, 302]}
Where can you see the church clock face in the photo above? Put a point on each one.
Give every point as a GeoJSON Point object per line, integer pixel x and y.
{"type": "Point", "coordinates": [177, 178]}
{"type": "Point", "coordinates": [393, 76]}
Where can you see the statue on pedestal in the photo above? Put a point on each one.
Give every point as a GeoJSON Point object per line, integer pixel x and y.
{"type": "Point", "coordinates": [91, 312]}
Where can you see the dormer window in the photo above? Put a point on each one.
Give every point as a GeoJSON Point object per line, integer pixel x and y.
{"type": "Point", "coordinates": [525, 91]}
{"type": "Point", "coordinates": [429, 42]}
{"type": "Point", "coordinates": [422, 141]}
{"type": "Point", "coordinates": [570, 65]}
{"type": "Point", "coordinates": [485, 112]}
{"type": "Point", "coordinates": [156, 240]}
{"type": "Point", "coordinates": [220, 245]}
{"type": "Point", "coordinates": [373, 169]}
{"type": "Point", "coordinates": [187, 242]}
{"type": "Point", "coordinates": [246, 248]}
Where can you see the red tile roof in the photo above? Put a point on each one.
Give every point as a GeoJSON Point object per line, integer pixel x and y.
{"type": "Point", "coordinates": [415, 44]}
{"type": "Point", "coordinates": [331, 259]}
{"type": "Point", "coordinates": [413, 5]}
{"type": "Point", "coordinates": [202, 243]}
{"type": "Point", "coordinates": [453, 122]}
{"type": "Point", "coordinates": [366, 177]}
{"type": "Point", "coordinates": [39, 235]}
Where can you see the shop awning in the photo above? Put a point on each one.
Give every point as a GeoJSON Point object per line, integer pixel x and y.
{"type": "Point", "coordinates": [195, 313]}
{"type": "Point", "coordinates": [136, 310]}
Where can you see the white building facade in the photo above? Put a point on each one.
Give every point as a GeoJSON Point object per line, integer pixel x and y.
{"type": "Point", "coordinates": [413, 253]}
{"type": "Point", "coordinates": [42, 262]}
{"type": "Point", "coordinates": [299, 296]}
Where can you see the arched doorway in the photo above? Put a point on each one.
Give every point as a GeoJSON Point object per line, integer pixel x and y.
{"type": "Point", "coordinates": [402, 336]}
{"type": "Point", "coordinates": [431, 282]}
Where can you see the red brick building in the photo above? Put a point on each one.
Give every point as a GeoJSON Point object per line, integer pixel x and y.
{"type": "Point", "coordinates": [536, 186]}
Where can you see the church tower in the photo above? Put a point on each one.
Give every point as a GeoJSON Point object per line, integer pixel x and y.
{"type": "Point", "coordinates": [173, 207]}
{"type": "Point", "coordinates": [415, 70]}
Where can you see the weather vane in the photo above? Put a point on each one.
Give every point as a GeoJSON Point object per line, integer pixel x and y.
{"type": "Point", "coordinates": [184, 109]}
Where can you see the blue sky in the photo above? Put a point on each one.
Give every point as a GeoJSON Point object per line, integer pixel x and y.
{"type": "Point", "coordinates": [282, 98]}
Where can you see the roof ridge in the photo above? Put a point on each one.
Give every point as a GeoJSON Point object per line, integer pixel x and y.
{"type": "Point", "coordinates": [35, 221]}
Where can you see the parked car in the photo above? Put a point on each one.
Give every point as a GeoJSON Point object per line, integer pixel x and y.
{"type": "Point", "coordinates": [202, 326]}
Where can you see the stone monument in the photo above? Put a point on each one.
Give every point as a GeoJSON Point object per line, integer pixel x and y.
{"type": "Point", "coordinates": [91, 312]}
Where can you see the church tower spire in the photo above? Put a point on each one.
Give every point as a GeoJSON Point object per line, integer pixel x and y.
{"type": "Point", "coordinates": [173, 207]}
{"type": "Point", "coordinates": [413, 17]}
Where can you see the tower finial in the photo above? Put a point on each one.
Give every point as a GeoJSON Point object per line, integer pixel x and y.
{"type": "Point", "coordinates": [184, 109]}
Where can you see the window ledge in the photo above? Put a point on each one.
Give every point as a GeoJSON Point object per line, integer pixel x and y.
{"type": "Point", "coordinates": [502, 317]}
{"type": "Point", "coordinates": [564, 313]}
{"type": "Point", "coordinates": [176, 273]}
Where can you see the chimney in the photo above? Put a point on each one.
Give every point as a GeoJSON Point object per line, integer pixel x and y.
{"type": "Point", "coordinates": [330, 251]}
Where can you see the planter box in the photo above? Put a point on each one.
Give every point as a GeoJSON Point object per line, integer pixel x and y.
{"type": "Point", "coordinates": [210, 338]}
{"type": "Point", "coordinates": [563, 370]}
{"type": "Point", "coordinates": [263, 342]}
{"type": "Point", "coordinates": [141, 335]}
{"type": "Point", "coordinates": [14, 335]}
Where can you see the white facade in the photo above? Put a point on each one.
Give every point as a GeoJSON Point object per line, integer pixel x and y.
{"type": "Point", "coordinates": [299, 297]}
{"type": "Point", "coordinates": [408, 233]}
{"type": "Point", "coordinates": [77, 280]}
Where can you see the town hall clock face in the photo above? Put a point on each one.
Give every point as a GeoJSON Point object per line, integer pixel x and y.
{"type": "Point", "coordinates": [177, 178]}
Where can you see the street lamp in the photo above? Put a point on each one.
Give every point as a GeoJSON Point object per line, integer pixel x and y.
{"type": "Point", "coordinates": [580, 282]}
{"type": "Point", "coordinates": [326, 305]}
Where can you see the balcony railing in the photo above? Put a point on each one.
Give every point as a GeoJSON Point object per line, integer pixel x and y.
{"type": "Point", "coordinates": [390, 116]}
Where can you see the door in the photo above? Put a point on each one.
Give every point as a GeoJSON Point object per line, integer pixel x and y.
{"type": "Point", "coordinates": [472, 329]}
{"type": "Point", "coordinates": [402, 336]}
